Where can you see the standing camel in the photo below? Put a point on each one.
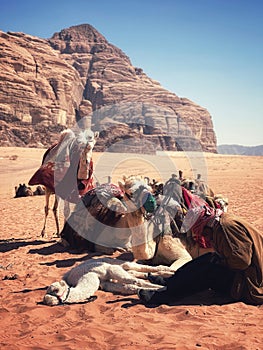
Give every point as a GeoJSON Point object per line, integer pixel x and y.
{"type": "Point", "coordinates": [66, 170]}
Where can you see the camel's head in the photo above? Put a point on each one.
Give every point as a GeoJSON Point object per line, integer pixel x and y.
{"type": "Point", "coordinates": [221, 201]}
{"type": "Point", "coordinates": [189, 185]}
{"type": "Point", "coordinates": [56, 293]}
{"type": "Point", "coordinates": [173, 189]}
{"type": "Point", "coordinates": [157, 187]}
{"type": "Point", "coordinates": [87, 139]}
{"type": "Point", "coordinates": [23, 191]}
{"type": "Point", "coordinates": [138, 194]}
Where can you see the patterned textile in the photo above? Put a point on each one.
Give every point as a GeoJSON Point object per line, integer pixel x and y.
{"type": "Point", "coordinates": [196, 219]}
{"type": "Point", "coordinates": [104, 192]}
{"type": "Point", "coordinates": [59, 169]}
{"type": "Point", "coordinates": [192, 200]}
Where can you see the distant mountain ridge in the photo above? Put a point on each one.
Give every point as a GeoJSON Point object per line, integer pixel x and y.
{"type": "Point", "coordinates": [240, 150]}
{"type": "Point", "coordinates": [47, 85]}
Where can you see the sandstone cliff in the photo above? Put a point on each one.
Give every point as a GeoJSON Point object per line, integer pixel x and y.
{"type": "Point", "coordinates": [46, 84]}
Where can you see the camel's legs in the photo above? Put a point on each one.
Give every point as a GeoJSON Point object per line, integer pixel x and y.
{"type": "Point", "coordinates": [179, 263]}
{"type": "Point", "coordinates": [55, 212]}
{"type": "Point", "coordinates": [131, 265]}
{"type": "Point", "coordinates": [66, 210]}
{"type": "Point", "coordinates": [43, 232]}
{"type": "Point", "coordinates": [127, 289]}
{"type": "Point", "coordinates": [117, 273]}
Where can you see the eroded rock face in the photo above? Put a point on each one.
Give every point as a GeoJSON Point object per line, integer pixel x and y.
{"type": "Point", "coordinates": [50, 83]}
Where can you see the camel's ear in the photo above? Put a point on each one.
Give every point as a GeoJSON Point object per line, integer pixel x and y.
{"type": "Point", "coordinates": [96, 134]}
{"type": "Point", "coordinates": [147, 180]}
{"type": "Point", "coordinates": [62, 283]}
{"type": "Point", "coordinates": [121, 185]}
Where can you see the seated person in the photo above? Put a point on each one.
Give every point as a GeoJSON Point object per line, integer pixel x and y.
{"type": "Point", "coordinates": [235, 269]}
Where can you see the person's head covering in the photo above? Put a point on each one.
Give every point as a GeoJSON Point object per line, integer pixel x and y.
{"type": "Point", "coordinates": [196, 219]}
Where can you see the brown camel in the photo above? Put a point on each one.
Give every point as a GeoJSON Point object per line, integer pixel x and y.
{"type": "Point", "coordinates": [23, 191]}
{"type": "Point", "coordinates": [128, 218]}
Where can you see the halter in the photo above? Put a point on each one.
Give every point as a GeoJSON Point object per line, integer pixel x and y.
{"type": "Point", "coordinates": [142, 198]}
{"type": "Point", "coordinates": [158, 219]}
{"type": "Point", "coordinates": [59, 297]}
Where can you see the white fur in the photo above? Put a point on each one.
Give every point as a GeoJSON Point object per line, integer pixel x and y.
{"type": "Point", "coordinates": [111, 275]}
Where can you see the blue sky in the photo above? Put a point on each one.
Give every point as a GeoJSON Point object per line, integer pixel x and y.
{"type": "Point", "coordinates": [210, 51]}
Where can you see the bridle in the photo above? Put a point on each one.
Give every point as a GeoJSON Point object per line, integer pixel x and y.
{"type": "Point", "coordinates": [60, 297]}
{"type": "Point", "coordinates": [143, 200]}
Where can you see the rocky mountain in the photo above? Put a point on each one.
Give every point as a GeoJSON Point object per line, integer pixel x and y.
{"type": "Point", "coordinates": [46, 85]}
{"type": "Point", "coordinates": [241, 150]}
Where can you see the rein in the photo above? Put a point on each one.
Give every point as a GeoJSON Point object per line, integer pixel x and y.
{"type": "Point", "coordinates": [158, 219]}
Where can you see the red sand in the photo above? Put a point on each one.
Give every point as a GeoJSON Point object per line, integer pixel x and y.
{"type": "Point", "coordinates": [29, 264]}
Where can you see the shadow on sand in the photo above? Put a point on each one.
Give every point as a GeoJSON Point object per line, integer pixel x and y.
{"type": "Point", "coordinates": [7, 245]}
{"type": "Point", "coordinates": [206, 298]}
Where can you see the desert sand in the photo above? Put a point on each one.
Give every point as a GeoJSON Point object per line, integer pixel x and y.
{"type": "Point", "coordinates": [30, 263]}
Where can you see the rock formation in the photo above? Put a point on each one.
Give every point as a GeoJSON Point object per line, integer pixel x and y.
{"type": "Point", "coordinates": [47, 84]}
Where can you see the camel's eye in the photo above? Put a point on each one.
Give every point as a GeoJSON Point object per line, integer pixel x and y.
{"type": "Point", "coordinates": [53, 290]}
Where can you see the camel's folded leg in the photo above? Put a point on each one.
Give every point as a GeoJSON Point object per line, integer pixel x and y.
{"type": "Point", "coordinates": [179, 263]}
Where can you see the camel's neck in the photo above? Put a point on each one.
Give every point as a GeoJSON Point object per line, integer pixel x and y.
{"type": "Point", "coordinates": [65, 295]}
{"type": "Point", "coordinates": [143, 244]}
{"type": "Point", "coordinates": [84, 164]}
{"type": "Point", "coordinates": [72, 297]}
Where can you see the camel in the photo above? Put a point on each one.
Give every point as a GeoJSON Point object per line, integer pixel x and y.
{"type": "Point", "coordinates": [187, 191]}
{"type": "Point", "coordinates": [153, 235]}
{"type": "Point", "coordinates": [197, 186]}
{"type": "Point", "coordinates": [152, 240]}
{"type": "Point", "coordinates": [158, 238]}
{"type": "Point", "coordinates": [98, 221]}
{"type": "Point", "coordinates": [120, 220]}
{"type": "Point", "coordinates": [25, 191]}
{"type": "Point", "coordinates": [66, 170]}
{"type": "Point", "coordinates": [111, 275]}
{"type": "Point", "coordinates": [162, 237]}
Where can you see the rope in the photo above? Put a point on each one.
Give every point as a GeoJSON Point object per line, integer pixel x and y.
{"type": "Point", "coordinates": [158, 219]}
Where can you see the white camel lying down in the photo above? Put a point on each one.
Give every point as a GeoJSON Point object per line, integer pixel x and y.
{"type": "Point", "coordinates": [111, 275]}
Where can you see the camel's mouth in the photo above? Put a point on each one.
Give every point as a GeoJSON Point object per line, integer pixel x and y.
{"type": "Point", "coordinates": [149, 202]}
{"type": "Point", "coordinates": [51, 300]}
{"type": "Point", "coordinates": [143, 198]}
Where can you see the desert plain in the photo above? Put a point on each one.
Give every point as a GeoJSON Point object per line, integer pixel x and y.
{"type": "Point", "coordinates": [29, 263]}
